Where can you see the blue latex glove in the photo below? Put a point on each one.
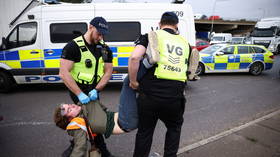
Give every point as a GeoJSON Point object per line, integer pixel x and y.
{"type": "Point", "coordinates": [83, 98]}
{"type": "Point", "coordinates": [93, 94]}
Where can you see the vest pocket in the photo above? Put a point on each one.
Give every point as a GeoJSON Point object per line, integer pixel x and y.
{"type": "Point", "coordinates": [85, 77]}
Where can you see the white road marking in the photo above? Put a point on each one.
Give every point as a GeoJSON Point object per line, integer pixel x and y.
{"type": "Point", "coordinates": [25, 123]}
{"type": "Point", "coordinates": [225, 133]}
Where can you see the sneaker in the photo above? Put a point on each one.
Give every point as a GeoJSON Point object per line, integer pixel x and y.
{"type": "Point", "coordinates": [193, 64]}
{"type": "Point", "coordinates": [152, 49]}
{"type": "Point", "coordinates": [155, 154]}
{"type": "Point", "coordinates": [147, 64]}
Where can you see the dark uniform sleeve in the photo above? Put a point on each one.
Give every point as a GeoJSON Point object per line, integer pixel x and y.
{"type": "Point", "coordinates": [142, 40]}
{"type": "Point", "coordinates": [190, 48]}
{"type": "Point", "coordinates": [71, 52]}
{"type": "Point", "coordinates": [109, 58]}
{"type": "Point", "coordinates": [80, 143]}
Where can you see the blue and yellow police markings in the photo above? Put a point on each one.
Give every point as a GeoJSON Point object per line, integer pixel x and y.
{"type": "Point", "coordinates": [23, 58]}
{"type": "Point", "coordinates": [121, 55]}
{"type": "Point", "coordinates": [52, 57]}
{"type": "Point", "coordinates": [31, 58]}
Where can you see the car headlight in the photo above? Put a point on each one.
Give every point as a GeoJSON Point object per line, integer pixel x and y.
{"type": "Point", "coordinates": [271, 47]}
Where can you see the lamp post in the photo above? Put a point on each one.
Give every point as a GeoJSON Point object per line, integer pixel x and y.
{"type": "Point", "coordinates": [213, 11]}
{"type": "Point", "coordinates": [213, 14]}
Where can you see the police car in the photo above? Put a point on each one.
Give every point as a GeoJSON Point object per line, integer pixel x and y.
{"type": "Point", "coordinates": [235, 58]}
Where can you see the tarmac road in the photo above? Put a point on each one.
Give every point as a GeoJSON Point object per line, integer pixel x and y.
{"type": "Point", "coordinates": [216, 103]}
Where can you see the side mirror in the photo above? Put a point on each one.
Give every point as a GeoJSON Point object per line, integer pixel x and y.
{"type": "Point", "coordinates": [219, 53]}
{"type": "Point", "coordinates": [4, 44]}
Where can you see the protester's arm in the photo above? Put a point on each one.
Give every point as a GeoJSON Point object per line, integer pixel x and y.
{"type": "Point", "coordinates": [64, 73]}
{"type": "Point", "coordinates": [133, 65]}
{"type": "Point", "coordinates": [80, 143]}
{"type": "Point", "coordinates": [108, 69]}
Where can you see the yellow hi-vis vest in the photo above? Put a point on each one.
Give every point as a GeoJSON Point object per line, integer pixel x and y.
{"type": "Point", "coordinates": [174, 54]}
{"type": "Point", "coordinates": [78, 123]}
{"type": "Point", "coordinates": [80, 72]}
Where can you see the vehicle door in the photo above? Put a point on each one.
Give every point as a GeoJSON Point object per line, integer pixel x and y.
{"type": "Point", "coordinates": [244, 56]}
{"type": "Point", "coordinates": [57, 34]}
{"type": "Point", "coordinates": [225, 58]}
{"type": "Point", "coordinates": [121, 41]}
{"type": "Point", "coordinates": [23, 53]}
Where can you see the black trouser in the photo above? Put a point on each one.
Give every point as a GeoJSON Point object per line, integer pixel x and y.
{"type": "Point", "coordinates": [99, 139]}
{"type": "Point", "coordinates": [170, 112]}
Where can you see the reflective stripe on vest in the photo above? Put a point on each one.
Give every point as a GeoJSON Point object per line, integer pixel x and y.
{"type": "Point", "coordinates": [174, 54]}
{"type": "Point", "coordinates": [80, 72]}
{"type": "Point", "coordinates": [77, 123]}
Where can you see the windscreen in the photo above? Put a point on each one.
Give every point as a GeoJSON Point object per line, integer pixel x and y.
{"type": "Point", "coordinates": [262, 33]}
{"type": "Point", "coordinates": [218, 39]}
{"type": "Point", "coordinates": [237, 39]}
{"type": "Point", "coordinates": [211, 49]}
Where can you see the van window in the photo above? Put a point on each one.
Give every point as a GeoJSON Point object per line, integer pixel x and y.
{"type": "Point", "coordinates": [65, 32]}
{"type": "Point", "coordinates": [123, 32]}
{"type": "Point", "coordinates": [22, 35]}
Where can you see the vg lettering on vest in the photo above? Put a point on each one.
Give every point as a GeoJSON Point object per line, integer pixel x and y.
{"type": "Point", "coordinates": [178, 50]}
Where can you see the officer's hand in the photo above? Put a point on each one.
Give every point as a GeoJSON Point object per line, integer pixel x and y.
{"type": "Point", "coordinates": [134, 84]}
{"type": "Point", "coordinates": [83, 98]}
{"type": "Point", "coordinates": [93, 94]}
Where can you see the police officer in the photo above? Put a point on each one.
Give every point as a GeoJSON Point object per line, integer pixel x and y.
{"type": "Point", "coordinates": [161, 90]}
{"type": "Point", "coordinates": [86, 67]}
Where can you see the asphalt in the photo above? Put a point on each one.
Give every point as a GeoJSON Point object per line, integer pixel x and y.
{"type": "Point", "coordinates": [259, 138]}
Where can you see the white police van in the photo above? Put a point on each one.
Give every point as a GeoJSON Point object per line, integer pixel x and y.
{"type": "Point", "coordinates": [31, 51]}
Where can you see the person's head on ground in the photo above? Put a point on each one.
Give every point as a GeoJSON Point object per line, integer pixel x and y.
{"type": "Point", "coordinates": [98, 27]}
{"type": "Point", "coordinates": [169, 20]}
{"type": "Point", "coordinates": [64, 113]}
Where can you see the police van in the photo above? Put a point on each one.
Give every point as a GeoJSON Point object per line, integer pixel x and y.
{"type": "Point", "coordinates": [30, 53]}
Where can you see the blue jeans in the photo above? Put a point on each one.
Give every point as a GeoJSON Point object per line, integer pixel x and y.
{"type": "Point", "coordinates": [128, 111]}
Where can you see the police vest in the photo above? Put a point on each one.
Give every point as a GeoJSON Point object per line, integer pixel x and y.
{"type": "Point", "coordinates": [81, 72]}
{"type": "Point", "coordinates": [78, 123]}
{"type": "Point", "coordinates": [174, 54]}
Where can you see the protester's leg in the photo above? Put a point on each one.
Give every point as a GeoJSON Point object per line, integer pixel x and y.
{"type": "Point", "coordinates": [100, 143]}
{"type": "Point", "coordinates": [146, 127]}
{"type": "Point", "coordinates": [172, 117]}
{"type": "Point", "coordinates": [128, 118]}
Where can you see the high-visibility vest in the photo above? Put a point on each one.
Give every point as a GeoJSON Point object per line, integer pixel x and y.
{"type": "Point", "coordinates": [80, 72]}
{"type": "Point", "coordinates": [174, 54]}
{"type": "Point", "coordinates": [78, 123]}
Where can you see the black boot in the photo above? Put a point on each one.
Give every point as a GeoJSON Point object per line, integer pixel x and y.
{"type": "Point", "coordinates": [100, 143]}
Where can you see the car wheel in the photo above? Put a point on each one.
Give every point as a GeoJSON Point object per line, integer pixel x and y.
{"type": "Point", "coordinates": [6, 82]}
{"type": "Point", "coordinates": [256, 68]}
{"type": "Point", "coordinates": [200, 69]}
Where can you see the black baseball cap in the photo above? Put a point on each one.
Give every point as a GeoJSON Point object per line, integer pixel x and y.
{"type": "Point", "coordinates": [100, 24]}
{"type": "Point", "coordinates": [170, 16]}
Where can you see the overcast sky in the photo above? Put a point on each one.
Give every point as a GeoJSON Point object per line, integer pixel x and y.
{"type": "Point", "coordinates": [228, 9]}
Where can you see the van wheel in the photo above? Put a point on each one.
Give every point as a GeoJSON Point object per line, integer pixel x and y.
{"type": "Point", "coordinates": [6, 82]}
{"type": "Point", "coordinates": [200, 69]}
{"type": "Point", "coordinates": [256, 68]}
